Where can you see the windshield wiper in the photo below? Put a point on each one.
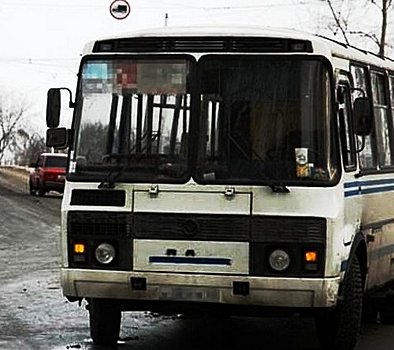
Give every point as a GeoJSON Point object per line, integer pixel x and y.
{"type": "Point", "coordinates": [277, 188]}
{"type": "Point", "coordinates": [109, 180]}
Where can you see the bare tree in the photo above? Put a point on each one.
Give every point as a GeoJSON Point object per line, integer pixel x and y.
{"type": "Point", "coordinates": [385, 6]}
{"type": "Point", "coordinates": [11, 116]}
{"type": "Point", "coordinates": [342, 24]}
{"type": "Point", "coordinates": [27, 147]}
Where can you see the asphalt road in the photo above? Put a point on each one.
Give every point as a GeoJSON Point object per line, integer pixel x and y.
{"type": "Point", "coordinates": [34, 314]}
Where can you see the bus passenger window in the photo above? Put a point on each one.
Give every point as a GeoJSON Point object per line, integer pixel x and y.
{"type": "Point", "coordinates": [381, 116]}
{"type": "Point", "coordinates": [391, 116]}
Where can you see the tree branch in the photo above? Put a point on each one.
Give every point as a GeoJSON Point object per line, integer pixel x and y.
{"type": "Point", "coordinates": [9, 120]}
{"type": "Point", "coordinates": [337, 21]}
{"type": "Point", "coordinates": [373, 37]}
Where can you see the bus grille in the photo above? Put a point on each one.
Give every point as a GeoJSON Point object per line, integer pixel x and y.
{"type": "Point", "coordinates": [114, 198]}
{"type": "Point", "coordinates": [193, 227]}
{"type": "Point", "coordinates": [284, 229]}
{"type": "Point", "coordinates": [82, 223]}
{"type": "Point", "coordinates": [259, 229]}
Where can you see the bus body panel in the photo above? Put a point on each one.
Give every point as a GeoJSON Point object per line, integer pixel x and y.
{"type": "Point", "coordinates": [298, 292]}
{"type": "Point", "coordinates": [377, 196]}
{"type": "Point", "coordinates": [200, 202]}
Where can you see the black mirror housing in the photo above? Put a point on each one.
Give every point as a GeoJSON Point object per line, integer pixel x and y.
{"type": "Point", "coordinates": [53, 108]}
{"type": "Point", "coordinates": [362, 116]}
{"type": "Point", "coordinates": [57, 138]}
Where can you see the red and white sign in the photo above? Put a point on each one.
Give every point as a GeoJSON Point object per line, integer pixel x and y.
{"type": "Point", "coordinates": [119, 9]}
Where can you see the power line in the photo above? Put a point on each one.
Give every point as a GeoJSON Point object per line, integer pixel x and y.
{"type": "Point", "coordinates": [246, 7]}
{"type": "Point", "coordinates": [46, 59]}
{"type": "Point", "coordinates": [162, 4]}
{"type": "Point", "coordinates": [48, 4]}
{"type": "Point", "coordinates": [70, 65]}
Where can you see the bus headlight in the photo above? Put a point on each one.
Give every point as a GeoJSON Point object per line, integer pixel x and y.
{"type": "Point", "coordinates": [279, 260]}
{"type": "Point", "coordinates": [105, 253]}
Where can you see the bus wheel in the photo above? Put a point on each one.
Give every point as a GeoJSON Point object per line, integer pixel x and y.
{"type": "Point", "coordinates": [105, 318]}
{"type": "Point", "coordinates": [338, 328]}
{"type": "Point", "coordinates": [386, 310]}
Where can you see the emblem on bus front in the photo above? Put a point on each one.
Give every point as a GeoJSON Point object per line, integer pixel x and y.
{"type": "Point", "coordinates": [191, 227]}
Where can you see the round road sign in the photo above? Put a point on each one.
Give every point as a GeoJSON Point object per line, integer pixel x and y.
{"type": "Point", "coordinates": [119, 9]}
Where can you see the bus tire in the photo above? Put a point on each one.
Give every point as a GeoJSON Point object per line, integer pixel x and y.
{"type": "Point", "coordinates": [338, 328]}
{"type": "Point", "coordinates": [104, 319]}
{"type": "Point", "coordinates": [386, 310]}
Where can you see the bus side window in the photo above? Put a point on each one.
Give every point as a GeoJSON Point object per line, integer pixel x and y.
{"type": "Point", "coordinates": [367, 156]}
{"type": "Point", "coordinates": [391, 116]}
{"type": "Point", "coordinates": [382, 117]}
{"type": "Point", "coordinates": [345, 127]}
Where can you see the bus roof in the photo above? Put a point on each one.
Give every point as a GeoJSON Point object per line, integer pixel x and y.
{"type": "Point", "coordinates": [321, 45]}
{"type": "Point", "coordinates": [257, 31]}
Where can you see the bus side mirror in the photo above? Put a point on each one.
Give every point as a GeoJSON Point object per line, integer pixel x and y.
{"type": "Point", "coordinates": [53, 108]}
{"type": "Point", "coordinates": [362, 116]}
{"type": "Point", "coordinates": [57, 138]}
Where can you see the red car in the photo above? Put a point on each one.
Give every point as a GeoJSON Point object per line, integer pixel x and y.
{"type": "Point", "coordinates": [49, 173]}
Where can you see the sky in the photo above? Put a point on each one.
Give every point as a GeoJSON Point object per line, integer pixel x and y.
{"type": "Point", "coordinates": [41, 40]}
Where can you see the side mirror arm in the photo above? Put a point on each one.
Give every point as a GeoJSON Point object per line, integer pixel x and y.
{"type": "Point", "coordinates": [71, 104]}
{"type": "Point", "coordinates": [362, 145]}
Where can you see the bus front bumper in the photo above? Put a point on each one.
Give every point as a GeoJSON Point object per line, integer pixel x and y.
{"type": "Point", "coordinates": [222, 289]}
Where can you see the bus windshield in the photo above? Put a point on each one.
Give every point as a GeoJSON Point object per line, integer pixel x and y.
{"type": "Point", "coordinates": [264, 119]}
{"type": "Point", "coordinates": [134, 118]}
{"type": "Point", "coordinates": [259, 119]}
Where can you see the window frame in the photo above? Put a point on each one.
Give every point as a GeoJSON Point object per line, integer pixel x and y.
{"type": "Point", "coordinates": [332, 123]}
{"type": "Point", "coordinates": [372, 137]}
{"type": "Point", "coordinates": [346, 130]}
{"type": "Point", "coordinates": [389, 116]}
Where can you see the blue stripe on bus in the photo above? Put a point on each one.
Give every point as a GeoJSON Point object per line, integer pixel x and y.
{"type": "Point", "coordinates": [357, 188]}
{"type": "Point", "coordinates": [351, 193]}
{"type": "Point", "coordinates": [369, 183]}
{"type": "Point", "coordinates": [189, 260]}
{"type": "Point", "coordinates": [369, 191]}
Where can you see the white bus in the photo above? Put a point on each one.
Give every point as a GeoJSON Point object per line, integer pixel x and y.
{"type": "Point", "coordinates": [229, 170]}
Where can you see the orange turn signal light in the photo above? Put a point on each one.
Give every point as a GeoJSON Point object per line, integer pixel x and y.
{"type": "Point", "coordinates": [79, 248]}
{"type": "Point", "coordinates": [310, 256]}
